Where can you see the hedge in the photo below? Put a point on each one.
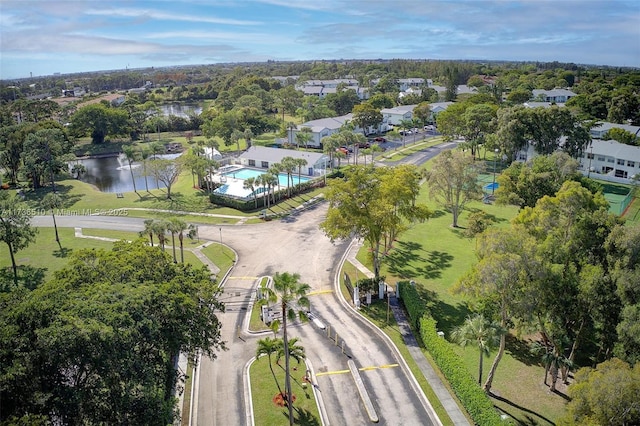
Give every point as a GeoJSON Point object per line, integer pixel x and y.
{"type": "Point", "coordinates": [413, 304]}
{"type": "Point", "coordinates": [471, 396]}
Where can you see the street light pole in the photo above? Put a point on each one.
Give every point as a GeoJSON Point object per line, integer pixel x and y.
{"type": "Point", "coordinates": [220, 238]}
{"type": "Point", "coordinates": [495, 160]}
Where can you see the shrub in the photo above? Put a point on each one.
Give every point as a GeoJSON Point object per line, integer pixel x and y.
{"type": "Point", "coordinates": [472, 397]}
{"type": "Point", "coordinates": [412, 302]}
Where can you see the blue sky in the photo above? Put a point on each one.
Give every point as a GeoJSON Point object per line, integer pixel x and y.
{"type": "Point", "coordinates": [43, 37]}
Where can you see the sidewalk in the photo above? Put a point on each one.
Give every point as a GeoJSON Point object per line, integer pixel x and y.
{"type": "Point", "coordinates": [450, 405]}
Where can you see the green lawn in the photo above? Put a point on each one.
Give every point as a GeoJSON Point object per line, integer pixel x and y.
{"type": "Point", "coordinates": [435, 255]}
{"type": "Point", "coordinates": [264, 388]}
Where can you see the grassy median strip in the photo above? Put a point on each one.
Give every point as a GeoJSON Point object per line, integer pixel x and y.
{"type": "Point", "coordinates": [264, 391]}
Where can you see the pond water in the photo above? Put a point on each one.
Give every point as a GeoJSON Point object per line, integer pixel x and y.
{"type": "Point", "coordinates": [112, 174]}
{"type": "Point", "coordinates": [180, 110]}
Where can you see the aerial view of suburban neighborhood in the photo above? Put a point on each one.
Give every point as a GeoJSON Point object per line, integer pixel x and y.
{"type": "Point", "coordinates": [270, 213]}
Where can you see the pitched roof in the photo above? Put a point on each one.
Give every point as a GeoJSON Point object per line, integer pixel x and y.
{"type": "Point", "coordinates": [275, 155]}
{"type": "Point", "coordinates": [615, 149]}
{"type": "Point", "coordinates": [402, 109]}
{"type": "Point", "coordinates": [331, 123]}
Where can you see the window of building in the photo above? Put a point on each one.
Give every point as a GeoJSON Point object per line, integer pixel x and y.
{"type": "Point", "coordinates": [600, 158]}
{"type": "Point", "coordinates": [621, 173]}
{"type": "Point", "coordinates": [620, 162]}
{"type": "Point", "coordinates": [609, 160]}
{"type": "Point", "coordinates": [590, 155]}
{"type": "Point", "coordinates": [631, 163]}
{"type": "Point", "coordinates": [252, 163]}
{"type": "Point", "coordinates": [265, 164]}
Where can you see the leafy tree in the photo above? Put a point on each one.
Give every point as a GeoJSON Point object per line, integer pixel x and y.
{"type": "Point", "coordinates": [622, 136]}
{"type": "Point", "coordinates": [46, 153]}
{"type": "Point", "coordinates": [343, 101]}
{"type": "Point", "coordinates": [366, 116]}
{"type": "Point", "coordinates": [109, 358]}
{"type": "Point", "coordinates": [375, 204]}
{"type": "Point", "coordinates": [100, 121]}
{"type": "Point", "coordinates": [453, 182]}
{"type": "Point", "coordinates": [15, 227]}
{"type": "Point", "coordinates": [606, 395]}
{"type": "Point", "coordinates": [381, 100]}
{"type": "Point", "coordinates": [165, 171]}
{"type": "Point", "coordinates": [519, 96]}
{"type": "Point", "coordinates": [290, 293]}
{"type": "Point", "coordinates": [507, 266]}
{"type": "Point", "coordinates": [480, 332]}
{"type": "Point", "coordinates": [523, 184]}
{"type": "Point", "coordinates": [423, 112]}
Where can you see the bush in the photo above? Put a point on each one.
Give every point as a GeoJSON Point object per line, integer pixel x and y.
{"type": "Point", "coordinates": [412, 302]}
{"type": "Point", "coordinates": [472, 397]}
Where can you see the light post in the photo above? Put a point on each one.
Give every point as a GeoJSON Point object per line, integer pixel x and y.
{"type": "Point", "coordinates": [495, 160]}
{"type": "Point", "coordinates": [590, 158]}
{"type": "Point", "coordinates": [220, 238]}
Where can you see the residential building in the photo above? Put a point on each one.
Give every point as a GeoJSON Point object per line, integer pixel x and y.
{"type": "Point", "coordinates": [611, 159]}
{"type": "Point", "coordinates": [555, 95]}
{"type": "Point", "coordinates": [264, 157]}
{"type": "Point", "coordinates": [599, 130]}
{"type": "Point", "coordinates": [320, 128]}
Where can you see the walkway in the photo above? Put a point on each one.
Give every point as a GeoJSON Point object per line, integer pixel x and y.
{"type": "Point", "coordinates": [443, 394]}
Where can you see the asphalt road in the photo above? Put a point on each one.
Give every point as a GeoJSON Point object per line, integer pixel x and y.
{"type": "Point", "coordinates": [294, 244]}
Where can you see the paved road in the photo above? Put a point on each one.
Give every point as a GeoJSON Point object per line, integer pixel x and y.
{"type": "Point", "coordinates": [294, 244]}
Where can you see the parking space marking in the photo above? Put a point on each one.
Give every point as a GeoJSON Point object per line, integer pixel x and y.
{"type": "Point", "coordinates": [313, 293]}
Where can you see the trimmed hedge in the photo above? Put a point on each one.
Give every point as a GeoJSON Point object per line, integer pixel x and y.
{"type": "Point", "coordinates": [412, 302]}
{"type": "Point", "coordinates": [472, 397]}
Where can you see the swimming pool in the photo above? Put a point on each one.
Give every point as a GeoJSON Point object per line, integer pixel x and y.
{"type": "Point", "coordinates": [245, 173]}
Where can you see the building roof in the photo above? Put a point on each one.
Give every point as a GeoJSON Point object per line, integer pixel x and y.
{"type": "Point", "coordinates": [552, 92]}
{"type": "Point", "coordinates": [605, 126]}
{"type": "Point", "coordinates": [331, 123]}
{"type": "Point", "coordinates": [542, 104]}
{"type": "Point", "coordinates": [400, 110]}
{"type": "Point", "coordinates": [439, 106]}
{"type": "Point", "coordinates": [615, 149]}
{"type": "Point", "coordinates": [275, 155]}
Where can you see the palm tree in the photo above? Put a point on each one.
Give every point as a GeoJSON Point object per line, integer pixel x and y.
{"type": "Point", "coordinates": [553, 361]}
{"type": "Point", "coordinates": [250, 184]}
{"type": "Point", "coordinates": [131, 154]}
{"type": "Point", "coordinates": [53, 201]}
{"type": "Point", "coordinates": [172, 226]}
{"type": "Point", "coordinates": [160, 228]}
{"type": "Point", "coordinates": [300, 162]}
{"type": "Point", "coordinates": [149, 229]}
{"type": "Point", "coordinates": [272, 183]}
{"type": "Point", "coordinates": [178, 226]}
{"type": "Point", "coordinates": [478, 331]}
{"type": "Point", "coordinates": [296, 351]}
{"type": "Point", "coordinates": [288, 166]}
{"type": "Point", "coordinates": [304, 136]}
{"type": "Point", "coordinates": [291, 294]}
{"type": "Point", "coordinates": [145, 153]}
{"type": "Point", "coordinates": [268, 347]}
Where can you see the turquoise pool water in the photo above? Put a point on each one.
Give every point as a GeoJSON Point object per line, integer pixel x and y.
{"type": "Point", "coordinates": [245, 174]}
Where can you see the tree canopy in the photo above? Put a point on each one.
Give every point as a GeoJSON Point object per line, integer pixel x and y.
{"type": "Point", "coordinates": [97, 343]}
{"type": "Point", "coordinates": [376, 204]}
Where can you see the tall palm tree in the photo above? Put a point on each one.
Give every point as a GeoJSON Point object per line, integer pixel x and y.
{"type": "Point", "coordinates": [172, 226]}
{"type": "Point", "coordinates": [268, 347]}
{"type": "Point", "coordinates": [131, 154]}
{"type": "Point", "coordinates": [289, 166]}
{"type": "Point", "coordinates": [296, 351]}
{"type": "Point", "coordinates": [160, 229]}
{"type": "Point", "coordinates": [53, 201]}
{"type": "Point", "coordinates": [300, 162]}
{"type": "Point", "coordinates": [292, 296]}
{"type": "Point", "coordinates": [145, 153]}
{"type": "Point", "coordinates": [480, 332]}
{"type": "Point", "coordinates": [149, 229]}
{"type": "Point", "coordinates": [179, 226]}
{"type": "Point", "coordinates": [250, 184]}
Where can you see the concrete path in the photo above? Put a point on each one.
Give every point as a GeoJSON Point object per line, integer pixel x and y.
{"type": "Point", "coordinates": [443, 394]}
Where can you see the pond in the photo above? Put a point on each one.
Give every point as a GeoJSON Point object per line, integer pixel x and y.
{"type": "Point", "coordinates": [180, 110]}
{"type": "Point", "coordinates": [112, 174]}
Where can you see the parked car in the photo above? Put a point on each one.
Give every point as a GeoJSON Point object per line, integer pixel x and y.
{"type": "Point", "coordinates": [405, 132]}
{"type": "Point", "coordinates": [343, 150]}
{"type": "Point", "coordinates": [379, 139]}
{"type": "Point", "coordinates": [364, 145]}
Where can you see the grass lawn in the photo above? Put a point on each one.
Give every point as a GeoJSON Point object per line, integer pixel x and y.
{"type": "Point", "coordinates": [264, 388]}
{"type": "Point", "coordinates": [222, 256]}
{"type": "Point", "coordinates": [435, 255]}
{"type": "Point", "coordinates": [37, 262]}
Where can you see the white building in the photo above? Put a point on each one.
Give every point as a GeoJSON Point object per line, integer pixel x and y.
{"type": "Point", "coordinates": [264, 157]}
{"type": "Point", "coordinates": [611, 159]}
{"type": "Point", "coordinates": [555, 95]}
{"type": "Point", "coordinates": [320, 128]}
